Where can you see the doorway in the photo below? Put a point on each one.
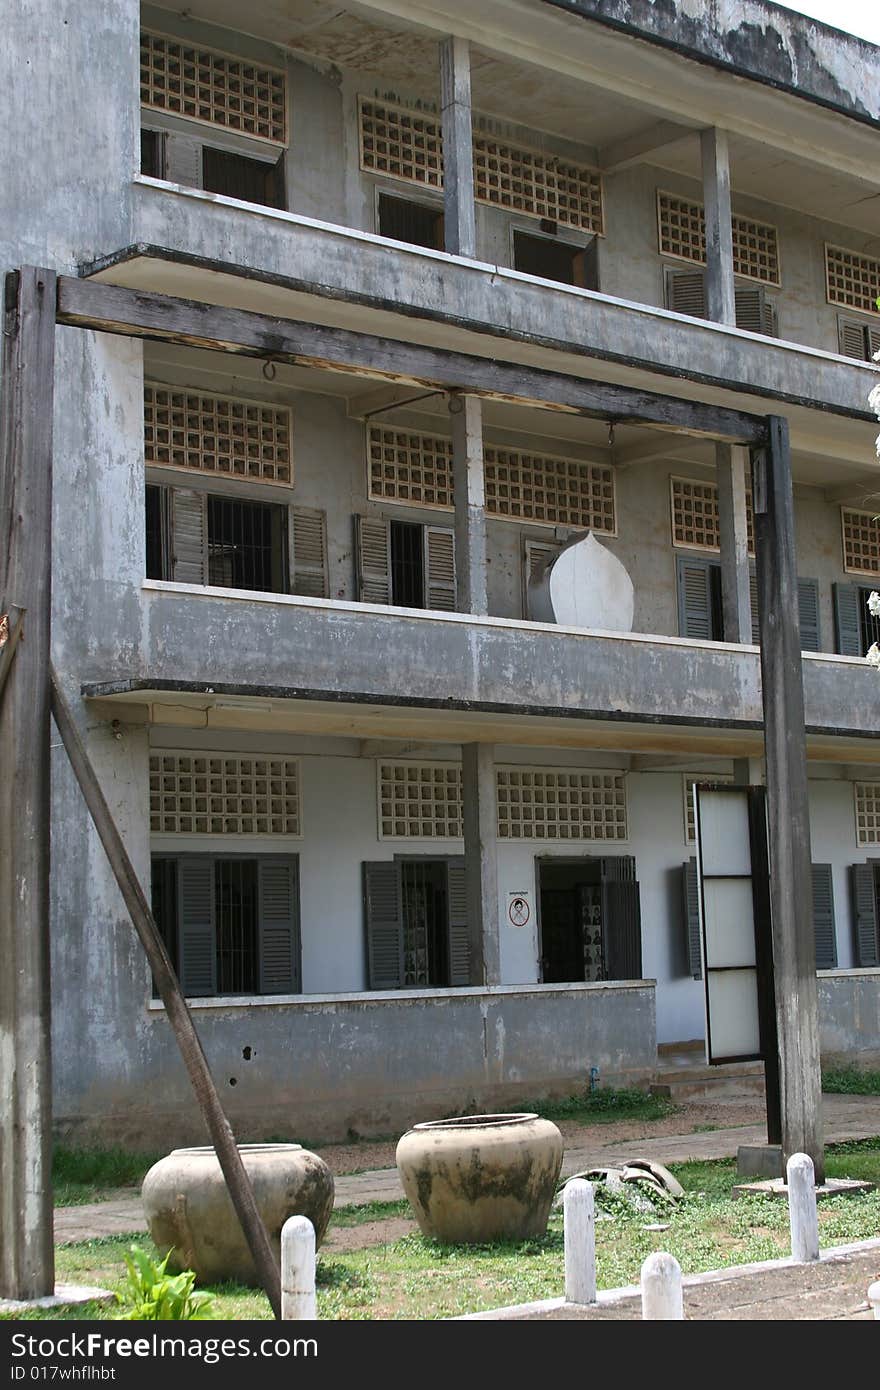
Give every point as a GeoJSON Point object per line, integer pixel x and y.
{"type": "Point", "coordinates": [590, 920]}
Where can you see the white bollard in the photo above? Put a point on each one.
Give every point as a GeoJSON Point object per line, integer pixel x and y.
{"type": "Point", "coordinates": [662, 1298]}
{"type": "Point", "coordinates": [298, 1270]}
{"type": "Point", "coordinates": [874, 1299]}
{"type": "Point", "coordinates": [804, 1220]}
{"type": "Point", "coordinates": [579, 1213]}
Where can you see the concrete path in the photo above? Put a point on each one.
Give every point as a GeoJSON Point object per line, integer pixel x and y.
{"type": "Point", "coordinates": [846, 1117]}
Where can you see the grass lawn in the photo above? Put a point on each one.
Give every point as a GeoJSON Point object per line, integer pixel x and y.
{"type": "Point", "coordinates": [416, 1278]}
{"type": "Point", "coordinates": [852, 1082]}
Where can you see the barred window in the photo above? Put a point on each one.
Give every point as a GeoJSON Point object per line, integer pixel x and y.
{"type": "Point", "coordinates": [867, 799]}
{"type": "Point", "coordinates": [222, 435]}
{"type": "Point", "coordinates": [695, 514]}
{"type": "Point", "coordinates": [681, 225]}
{"type": "Point", "coordinates": [861, 541]}
{"type": "Point", "coordinates": [537, 182]}
{"type": "Point", "coordinates": [852, 280]}
{"type": "Point", "coordinates": [218, 88]}
{"type": "Point", "coordinates": [224, 794]}
{"type": "Point", "coordinates": [420, 801]}
{"type": "Point", "coordinates": [552, 804]}
{"type": "Point", "coordinates": [403, 143]}
{"type": "Point", "coordinates": [406, 466]}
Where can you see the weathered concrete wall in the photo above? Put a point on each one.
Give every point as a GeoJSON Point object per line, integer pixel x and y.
{"type": "Point", "coordinates": [849, 1017]}
{"type": "Point", "coordinates": [369, 1065]}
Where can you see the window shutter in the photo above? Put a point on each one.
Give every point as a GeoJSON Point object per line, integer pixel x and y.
{"type": "Point", "coordinates": [196, 933]}
{"type": "Point", "coordinates": [189, 536]}
{"type": "Point", "coordinates": [686, 292]}
{"type": "Point", "coordinates": [753, 601]}
{"type": "Point", "coordinates": [873, 336]}
{"type": "Point", "coordinates": [276, 193]}
{"type": "Point", "coordinates": [848, 629]}
{"type": "Point", "coordinates": [440, 568]}
{"type": "Point", "coordinates": [808, 613]}
{"type": "Point", "coordinates": [537, 555]}
{"type": "Point", "coordinates": [749, 302]}
{"type": "Point", "coordinates": [865, 913]}
{"type": "Point", "coordinates": [459, 943]}
{"type": "Point", "coordinates": [823, 917]}
{"type": "Point", "coordinates": [309, 544]}
{"type": "Point", "coordinates": [694, 597]}
{"type": "Point", "coordinates": [278, 926]}
{"type": "Point", "coordinates": [621, 919]}
{"type": "Point", "coordinates": [691, 903]}
{"type": "Point", "coordinates": [373, 559]}
{"type": "Point", "coordinates": [851, 338]}
{"type": "Point", "coordinates": [383, 915]}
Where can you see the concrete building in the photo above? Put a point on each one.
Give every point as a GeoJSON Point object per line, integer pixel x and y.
{"type": "Point", "coordinates": [412, 846]}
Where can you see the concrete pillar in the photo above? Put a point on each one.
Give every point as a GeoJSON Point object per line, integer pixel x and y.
{"type": "Point", "coordinates": [481, 861]}
{"type": "Point", "coordinates": [460, 230]}
{"type": "Point", "coordinates": [730, 465]}
{"type": "Point", "coordinates": [715, 154]}
{"type": "Point", "coordinates": [470, 504]}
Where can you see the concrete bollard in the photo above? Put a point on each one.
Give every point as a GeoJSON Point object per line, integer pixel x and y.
{"type": "Point", "coordinates": [662, 1298]}
{"type": "Point", "coordinates": [579, 1212]}
{"type": "Point", "coordinates": [874, 1299]}
{"type": "Point", "coordinates": [804, 1220]}
{"type": "Point", "coordinates": [298, 1270]}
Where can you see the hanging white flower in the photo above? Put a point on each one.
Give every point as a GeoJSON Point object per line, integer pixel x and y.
{"type": "Point", "coordinates": [874, 603]}
{"type": "Point", "coordinates": [872, 655]}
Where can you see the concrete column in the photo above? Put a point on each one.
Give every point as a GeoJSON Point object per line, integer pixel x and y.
{"type": "Point", "coordinates": [730, 466]}
{"type": "Point", "coordinates": [458, 155]}
{"type": "Point", "coordinates": [481, 861]}
{"type": "Point", "coordinates": [719, 232]}
{"type": "Point", "coordinates": [470, 504]}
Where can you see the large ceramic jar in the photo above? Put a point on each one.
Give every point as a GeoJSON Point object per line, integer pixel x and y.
{"type": "Point", "coordinates": [187, 1206]}
{"type": "Point", "coordinates": [481, 1178]}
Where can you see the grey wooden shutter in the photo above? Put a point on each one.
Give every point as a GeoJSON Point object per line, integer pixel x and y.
{"type": "Point", "coordinates": [189, 536]}
{"type": "Point", "coordinates": [440, 568]}
{"type": "Point", "coordinates": [537, 555]}
{"type": "Point", "coordinates": [808, 613]}
{"type": "Point", "coordinates": [851, 338]}
{"type": "Point", "coordinates": [865, 914]}
{"type": "Point", "coordinates": [383, 916]}
{"type": "Point", "coordinates": [754, 311]}
{"type": "Point", "coordinates": [691, 906]}
{"type": "Point", "coordinates": [873, 336]}
{"type": "Point", "coordinates": [373, 559]}
{"type": "Point", "coordinates": [848, 629]}
{"type": "Point", "coordinates": [308, 566]}
{"type": "Point", "coordinates": [459, 942]}
{"type": "Point", "coordinates": [695, 597]}
{"type": "Point", "coordinates": [823, 917]}
{"type": "Point", "coordinates": [195, 927]}
{"type": "Point", "coordinates": [621, 918]}
{"type": "Point", "coordinates": [278, 926]}
{"type": "Point", "coordinates": [686, 292]}
{"type": "Point", "coordinates": [753, 602]}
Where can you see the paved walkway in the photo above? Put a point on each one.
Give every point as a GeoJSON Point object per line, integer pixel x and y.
{"type": "Point", "coordinates": [846, 1117]}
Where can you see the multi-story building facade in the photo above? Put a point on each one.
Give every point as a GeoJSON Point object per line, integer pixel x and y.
{"type": "Point", "coordinates": [410, 846]}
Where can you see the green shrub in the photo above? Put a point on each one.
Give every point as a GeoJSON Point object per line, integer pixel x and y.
{"type": "Point", "coordinates": [851, 1081]}
{"type": "Point", "coordinates": [157, 1296]}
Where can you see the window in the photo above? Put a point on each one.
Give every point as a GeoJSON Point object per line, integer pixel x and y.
{"type": "Point", "coordinates": [556, 260]}
{"type": "Point", "coordinates": [857, 339]}
{"type": "Point", "coordinates": [685, 292]}
{"type": "Point", "coordinates": [402, 143]}
{"type": "Point", "coordinates": [558, 804]}
{"type": "Point", "coordinates": [239, 176]}
{"type": "Point", "coordinates": [419, 801]}
{"type": "Point", "coordinates": [700, 603]}
{"type": "Point", "coordinates": [218, 88]}
{"type": "Point", "coordinates": [694, 510]}
{"type": "Point", "coordinates": [223, 794]}
{"type": "Point", "coordinates": [153, 153]}
{"type": "Point", "coordinates": [406, 564]}
{"type": "Point", "coordinates": [681, 226]}
{"type": "Point", "coordinates": [855, 628]}
{"type": "Point", "coordinates": [861, 541]}
{"type": "Point", "coordinates": [590, 919]}
{"type": "Point", "coordinates": [415, 913]}
{"type": "Point", "coordinates": [404, 220]}
{"type": "Point", "coordinates": [230, 923]}
{"type": "Point", "coordinates": [229, 436]}
{"type": "Point", "coordinates": [852, 280]}
{"type": "Point", "coordinates": [865, 885]}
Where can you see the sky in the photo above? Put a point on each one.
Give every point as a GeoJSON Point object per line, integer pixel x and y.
{"type": "Point", "coordinates": [860, 17]}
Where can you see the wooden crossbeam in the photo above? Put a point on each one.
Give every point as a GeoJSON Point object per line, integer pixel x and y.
{"type": "Point", "coordinates": [140, 314]}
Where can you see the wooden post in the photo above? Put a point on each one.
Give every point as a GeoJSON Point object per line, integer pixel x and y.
{"type": "Point", "coordinates": [736, 602]}
{"type": "Point", "coordinates": [788, 813]}
{"type": "Point", "coordinates": [298, 1270]}
{"type": "Point", "coordinates": [720, 299]}
{"type": "Point", "coordinates": [237, 1181]}
{"type": "Point", "coordinates": [802, 1214]}
{"type": "Point", "coordinates": [662, 1298]}
{"type": "Point", "coordinates": [466, 413]}
{"type": "Point", "coordinates": [579, 1236]}
{"type": "Point", "coordinates": [459, 217]}
{"type": "Point", "coordinates": [27, 1264]}
{"type": "Point", "coordinates": [481, 861]}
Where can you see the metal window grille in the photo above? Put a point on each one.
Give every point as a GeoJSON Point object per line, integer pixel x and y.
{"type": "Point", "coordinates": [687, 784]}
{"type": "Point", "coordinates": [861, 541]}
{"type": "Point", "coordinates": [546, 804]}
{"type": "Point", "coordinates": [218, 88]}
{"type": "Point", "coordinates": [409, 467]}
{"type": "Point", "coordinates": [537, 182]}
{"type": "Point", "coordinates": [222, 794]}
{"type": "Point", "coordinates": [695, 515]}
{"type": "Point", "coordinates": [403, 143]}
{"type": "Point", "coordinates": [682, 233]}
{"type": "Point", "coordinates": [867, 807]}
{"type": "Point", "coordinates": [235, 917]}
{"type": "Point", "coordinates": [221, 435]}
{"type": "Point", "coordinates": [852, 280]}
{"type": "Point", "coordinates": [420, 801]}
